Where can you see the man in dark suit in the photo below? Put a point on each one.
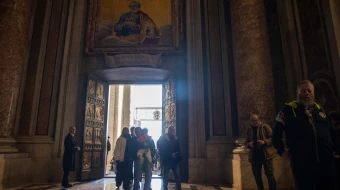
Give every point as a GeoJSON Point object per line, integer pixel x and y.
{"type": "Point", "coordinates": [69, 159]}
{"type": "Point", "coordinates": [170, 153]}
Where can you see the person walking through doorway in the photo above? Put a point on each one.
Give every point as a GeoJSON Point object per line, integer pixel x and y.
{"type": "Point", "coordinates": [123, 159]}
{"type": "Point", "coordinates": [170, 154]}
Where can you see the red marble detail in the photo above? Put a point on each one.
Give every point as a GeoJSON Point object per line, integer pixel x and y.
{"type": "Point", "coordinates": [252, 61]}
{"type": "Point", "coordinates": [14, 30]}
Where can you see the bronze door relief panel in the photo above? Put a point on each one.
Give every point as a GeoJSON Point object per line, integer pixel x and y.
{"type": "Point", "coordinates": [169, 104]}
{"type": "Point", "coordinates": [94, 130]}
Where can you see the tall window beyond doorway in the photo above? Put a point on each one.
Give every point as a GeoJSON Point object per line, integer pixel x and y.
{"type": "Point", "coordinates": [133, 105]}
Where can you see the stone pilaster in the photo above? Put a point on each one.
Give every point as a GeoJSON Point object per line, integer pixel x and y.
{"type": "Point", "coordinates": [196, 115]}
{"type": "Point", "coordinates": [253, 70]}
{"type": "Point", "coordinates": [15, 20]}
{"type": "Point", "coordinates": [196, 107]}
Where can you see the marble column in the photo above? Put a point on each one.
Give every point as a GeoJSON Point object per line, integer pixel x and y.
{"type": "Point", "coordinates": [253, 70]}
{"type": "Point", "coordinates": [126, 106]}
{"type": "Point", "coordinates": [111, 130]}
{"type": "Point", "coordinates": [15, 20]}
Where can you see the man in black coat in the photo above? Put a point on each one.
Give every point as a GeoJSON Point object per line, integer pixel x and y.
{"type": "Point", "coordinates": [170, 153]}
{"type": "Point", "coordinates": [69, 159]}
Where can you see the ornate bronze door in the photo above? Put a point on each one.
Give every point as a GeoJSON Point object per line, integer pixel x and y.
{"type": "Point", "coordinates": [169, 104]}
{"type": "Point", "coordinates": [93, 157]}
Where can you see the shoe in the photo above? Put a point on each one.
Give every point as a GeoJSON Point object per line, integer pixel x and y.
{"type": "Point", "coordinates": [67, 185]}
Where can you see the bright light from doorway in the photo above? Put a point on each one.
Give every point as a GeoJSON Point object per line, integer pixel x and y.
{"type": "Point", "coordinates": [146, 99]}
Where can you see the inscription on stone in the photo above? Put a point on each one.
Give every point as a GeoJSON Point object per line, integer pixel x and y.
{"type": "Point", "coordinates": [134, 60]}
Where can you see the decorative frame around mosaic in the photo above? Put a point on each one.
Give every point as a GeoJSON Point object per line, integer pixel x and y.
{"type": "Point", "coordinates": [101, 37]}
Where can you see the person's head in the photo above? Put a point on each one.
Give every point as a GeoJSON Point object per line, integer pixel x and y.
{"type": "Point", "coordinates": [145, 131]}
{"type": "Point", "coordinates": [72, 130]}
{"type": "Point", "coordinates": [305, 93]}
{"type": "Point", "coordinates": [132, 130]}
{"type": "Point", "coordinates": [125, 131]}
{"type": "Point", "coordinates": [138, 131]}
{"type": "Point", "coordinates": [254, 120]}
{"type": "Point", "coordinates": [171, 130]}
{"type": "Point", "coordinates": [134, 6]}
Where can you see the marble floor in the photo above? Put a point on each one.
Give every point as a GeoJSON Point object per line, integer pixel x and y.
{"type": "Point", "coordinates": [109, 184]}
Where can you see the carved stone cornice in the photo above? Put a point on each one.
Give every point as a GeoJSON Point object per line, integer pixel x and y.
{"type": "Point", "coordinates": [34, 139]}
{"type": "Point", "coordinates": [7, 145]}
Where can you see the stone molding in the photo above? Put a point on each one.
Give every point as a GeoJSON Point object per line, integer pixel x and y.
{"type": "Point", "coordinates": [131, 60]}
{"type": "Point", "coordinates": [7, 145]}
{"type": "Point", "coordinates": [35, 139]}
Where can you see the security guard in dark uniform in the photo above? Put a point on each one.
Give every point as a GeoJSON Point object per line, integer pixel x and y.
{"type": "Point", "coordinates": [309, 138]}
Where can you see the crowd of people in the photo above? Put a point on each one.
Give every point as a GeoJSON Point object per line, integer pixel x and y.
{"type": "Point", "coordinates": [304, 132]}
{"type": "Point", "coordinates": [136, 153]}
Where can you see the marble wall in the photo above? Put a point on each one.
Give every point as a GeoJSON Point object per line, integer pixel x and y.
{"type": "Point", "coordinates": [43, 154]}
{"type": "Point", "coordinates": [211, 170]}
{"type": "Point", "coordinates": [35, 167]}
{"type": "Point", "coordinates": [15, 32]}
{"type": "Point", "coordinates": [15, 169]}
{"type": "Point", "coordinates": [240, 175]}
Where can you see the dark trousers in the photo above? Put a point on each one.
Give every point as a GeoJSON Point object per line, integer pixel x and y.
{"type": "Point", "coordinates": [139, 165]}
{"type": "Point", "coordinates": [175, 170]}
{"type": "Point", "coordinates": [314, 176]}
{"type": "Point", "coordinates": [65, 178]}
{"type": "Point", "coordinates": [268, 170]}
{"type": "Point", "coordinates": [123, 175]}
{"type": "Point", "coordinates": [338, 172]}
{"type": "Point", "coordinates": [161, 166]}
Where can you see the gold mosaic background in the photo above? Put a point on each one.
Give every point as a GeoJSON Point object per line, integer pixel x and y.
{"type": "Point", "coordinates": [158, 10]}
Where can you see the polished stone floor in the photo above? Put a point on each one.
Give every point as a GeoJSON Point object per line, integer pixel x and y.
{"type": "Point", "coordinates": [109, 184]}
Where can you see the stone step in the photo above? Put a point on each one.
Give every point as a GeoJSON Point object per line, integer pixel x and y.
{"type": "Point", "coordinates": [13, 155]}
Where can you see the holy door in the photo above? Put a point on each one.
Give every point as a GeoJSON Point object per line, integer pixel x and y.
{"type": "Point", "coordinates": [93, 154]}
{"type": "Point", "coordinates": [169, 104]}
